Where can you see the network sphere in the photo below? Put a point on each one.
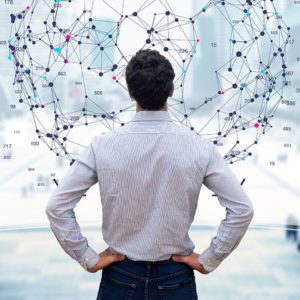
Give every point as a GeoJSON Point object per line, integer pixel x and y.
{"type": "Point", "coordinates": [70, 58]}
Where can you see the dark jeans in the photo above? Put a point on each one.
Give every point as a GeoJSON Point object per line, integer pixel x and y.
{"type": "Point", "coordinates": [143, 280]}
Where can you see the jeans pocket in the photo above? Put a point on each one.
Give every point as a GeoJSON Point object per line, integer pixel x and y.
{"type": "Point", "coordinates": [113, 289]}
{"type": "Point", "coordinates": [178, 288]}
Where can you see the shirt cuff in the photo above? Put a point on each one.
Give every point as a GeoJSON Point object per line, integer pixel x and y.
{"type": "Point", "coordinates": [209, 262]}
{"type": "Point", "coordinates": [89, 258]}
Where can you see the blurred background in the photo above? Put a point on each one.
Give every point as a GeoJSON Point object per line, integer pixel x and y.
{"type": "Point", "coordinates": [265, 265]}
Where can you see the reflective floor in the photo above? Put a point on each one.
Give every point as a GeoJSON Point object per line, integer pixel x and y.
{"type": "Point", "coordinates": [33, 266]}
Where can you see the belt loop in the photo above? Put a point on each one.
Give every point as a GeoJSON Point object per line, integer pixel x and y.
{"type": "Point", "coordinates": [148, 268]}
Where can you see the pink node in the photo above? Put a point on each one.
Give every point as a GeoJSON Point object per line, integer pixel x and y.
{"type": "Point", "coordinates": [256, 125]}
{"type": "Point", "coordinates": [66, 61]}
{"type": "Point", "coordinates": [222, 93]}
{"type": "Point", "coordinates": [68, 37]}
{"type": "Point", "coordinates": [27, 7]}
{"type": "Point", "coordinates": [114, 78]}
{"type": "Point", "coordinates": [197, 40]}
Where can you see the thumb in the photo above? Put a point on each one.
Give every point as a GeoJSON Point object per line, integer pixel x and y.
{"type": "Point", "coordinates": [119, 257]}
{"type": "Point", "coordinates": [177, 258]}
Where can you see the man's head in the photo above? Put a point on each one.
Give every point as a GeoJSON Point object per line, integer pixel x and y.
{"type": "Point", "coordinates": [149, 78]}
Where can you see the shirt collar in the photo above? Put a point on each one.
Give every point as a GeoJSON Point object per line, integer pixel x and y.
{"type": "Point", "coordinates": [151, 115]}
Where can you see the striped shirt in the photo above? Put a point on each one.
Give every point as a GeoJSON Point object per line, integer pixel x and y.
{"type": "Point", "coordinates": [150, 172]}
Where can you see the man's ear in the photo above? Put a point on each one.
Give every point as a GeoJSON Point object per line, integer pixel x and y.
{"type": "Point", "coordinates": [171, 90]}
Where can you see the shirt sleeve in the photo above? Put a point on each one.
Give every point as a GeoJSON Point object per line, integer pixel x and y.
{"type": "Point", "coordinates": [220, 179]}
{"type": "Point", "coordinates": [80, 176]}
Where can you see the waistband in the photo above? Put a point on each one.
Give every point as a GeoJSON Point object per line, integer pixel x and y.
{"type": "Point", "coordinates": [146, 262]}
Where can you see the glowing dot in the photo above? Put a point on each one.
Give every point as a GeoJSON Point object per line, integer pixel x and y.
{"type": "Point", "coordinates": [256, 125]}
{"type": "Point", "coordinates": [197, 40]}
{"type": "Point", "coordinates": [114, 78]}
{"type": "Point", "coordinates": [66, 61]}
{"type": "Point", "coordinates": [58, 50]}
{"type": "Point", "coordinates": [243, 158]}
{"type": "Point", "coordinates": [44, 77]}
{"type": "Point", "coordinates": [27, 7]}
{"type": "Point", "coordinates": [9, 57]}
{"type": "Point", "coordinates": [222, 93]}
{"type": "Point", "coordinates": [68, 37]}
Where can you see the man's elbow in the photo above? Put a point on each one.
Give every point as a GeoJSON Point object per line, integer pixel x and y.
{"type": "Point", "coordinates": [50, 208]}
{"type": "Point", "coordinates": [250, 212]}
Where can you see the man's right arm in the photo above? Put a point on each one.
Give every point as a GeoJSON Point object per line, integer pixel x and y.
{"type": "Point", "coordinates": [220, 179]}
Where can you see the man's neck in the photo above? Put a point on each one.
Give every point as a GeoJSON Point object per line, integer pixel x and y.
{"type": "Point", "coordinates": [138, 108]}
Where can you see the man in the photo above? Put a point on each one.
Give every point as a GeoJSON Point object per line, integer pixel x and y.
{"type": "Point", "coordinates": [150, 172]}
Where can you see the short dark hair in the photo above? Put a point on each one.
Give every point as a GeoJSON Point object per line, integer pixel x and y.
{"type": "Point", "coordinates": [149, 78]}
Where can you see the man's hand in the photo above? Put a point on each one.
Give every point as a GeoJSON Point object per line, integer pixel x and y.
{"type": "Point", "coordinates": [106, 258]}
{"type": "Point", "coordinates": [191, 260]}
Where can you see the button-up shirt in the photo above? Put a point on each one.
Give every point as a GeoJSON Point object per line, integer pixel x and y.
{"type": "Point", "coordinates": [150, 172]}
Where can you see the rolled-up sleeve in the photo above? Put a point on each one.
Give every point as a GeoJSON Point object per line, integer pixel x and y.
{"type": "Point", "coordinates": [220, 179]}
{"type": "Point", "coordinates": [80, 176]}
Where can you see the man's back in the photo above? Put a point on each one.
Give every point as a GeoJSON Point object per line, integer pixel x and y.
{"type": "Point", "coordinates": [150, 173]}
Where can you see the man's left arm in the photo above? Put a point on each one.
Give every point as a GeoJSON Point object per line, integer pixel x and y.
{"type": "Point", "coordinates": [80, 176]}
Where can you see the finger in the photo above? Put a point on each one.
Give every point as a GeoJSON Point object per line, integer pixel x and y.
{"type": "Point", "coordinates": [176, 258]}
{"type": "Point", "coordinates": [180, 258]}
{"type": "Point", "coordinates": [118, 257]}
{"type": "Point", "coordinates": [109, 259]}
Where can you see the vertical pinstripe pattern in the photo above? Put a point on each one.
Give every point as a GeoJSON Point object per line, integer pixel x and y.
{"type": "Point", "coordinates": [150, 172]}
